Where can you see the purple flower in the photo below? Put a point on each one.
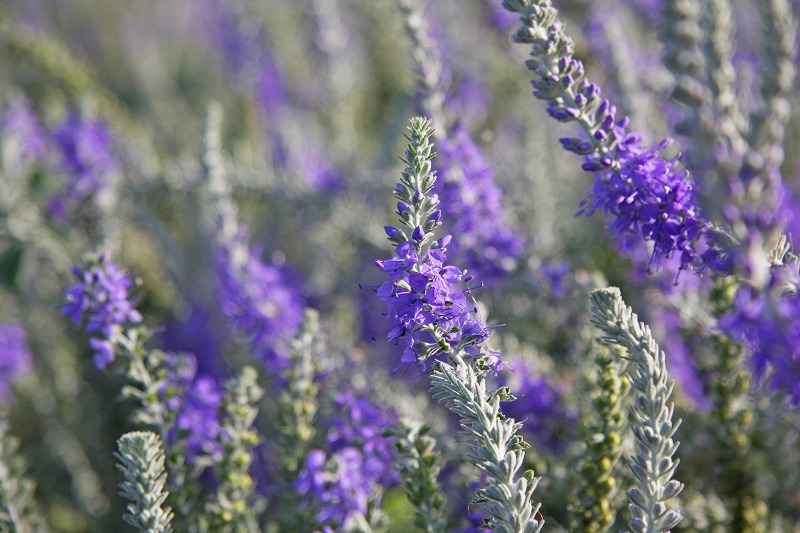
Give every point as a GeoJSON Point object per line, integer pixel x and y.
{"type": "Point", "coordinates": [198, 418]}
{"type": "Point", "coordinates": [428, 306]}
{"type": "Point", "coordinates": [86, 160]}
{"type": "Point", "coordinates": [15, 357]}
{"type": "Point", "coordinates": [258, 298]}
{"type": "Point", "coordinates": [426, 301]}
{"type": "Point", "coordinates": [557, 274]}
{"type": "Point", "coordinates": [343, 480]}
{"type": "Point", "coordinates": [649, 197]}
{"type": "Point", "coordinates": [645, 193]}
{"type": "Point", "coordinates": [19, 122]}
{"type": "Point", "coordinates": [680, 363]}
{"type": "Point", "coordinates": [500, 18]}
{"type": "Point", "coordinates": [101, 297]}
{"type": "Point", "coordinates": [768, 322]}
{"type": "Point", "coordinates": [483, 239]}
{"type": "Point", "coordinates": [196, 399]}
{"type": "Point", "coordinates": [342, 483]}
{"type": "Point", "coordinates": [199, 333]}
{"type": "Point", "coordinates": [359, 422]}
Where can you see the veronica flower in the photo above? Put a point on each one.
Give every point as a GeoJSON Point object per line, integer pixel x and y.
{"type": "Point", "coordinates": [258, 298]}
{"type": "Point", "coordinates": [768, 322]}
{"type": "Point", "coordinates": [429, 307]}
{"type": "Point", "coordinates": [485, 242]}
{"type": "Point", "coordinates": [198, 418]}
{"type": "Point", "coordinates": [15, 356]}
{"type": "Point", "coordinates": [86, 161]}
{"type": "Point", "coordinates": [199, 334]}
{"type": "Point", "coordinates": [357, 421]}
{"type": "Point", "coordinates": [196, 401]}
{"type": "Point", "coordinates": [344, 479]}
{"type": "Point", "coordinates": [646, 194]}
{"type": "Point", "coordinates": [101, 297]}
{"type": "Point", "coordinates": [20, 124]}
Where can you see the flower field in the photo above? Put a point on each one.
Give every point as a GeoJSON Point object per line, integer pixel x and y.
{"type": "Point", "coordinates": [383, 266]}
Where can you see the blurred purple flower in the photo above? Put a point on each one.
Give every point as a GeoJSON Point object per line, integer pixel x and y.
{"type": "Point", "coordinates": [499, 17]}
{"type": "Point", "coordinates": [199, 334]}
{"type": "Point", "coordinates": [259, 299]}
{"type": "Point", "coordinates": [198, 418]}
{"type": "Point", "coordinates": [343, 480]}
{"type": "Point", "coordinates": [15, 357]}
{"type": "Point", "coordinates": [769, 324]}
{"type": "Point", "coordinates": [360, 422]}
{"type": "Point", "coordinates": [19, 122]}
{"type": "Point", "coordinates": [558, 275]}
{"type": "Point", "coordinates": [483, 241]}
{"type": "Point", "coordinates": [196, 399]}
{"type": "Point", "coordinates": [680, 362]}
{"type": "Point", "coordinates": [342, 483]}
{"type": "Point", "coordinates": [86, 160]}
{"type": "Point", "coordinates": [101, 296]}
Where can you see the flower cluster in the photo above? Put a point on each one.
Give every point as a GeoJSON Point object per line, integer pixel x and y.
{"type": "Point", "coordinates": [198, 417]}
{"type": "Point", "coordinates": [15, 357]}
{"type": "Point", "coordinates": [645, 192]}
{"type": "Point", "coordinates": [196, 399]}
{"type": "Point", "coordinates": [484, 240]}
{"type": "Point", "coordinates": [425, 302]}
{"type": "Point", "coordinates": [359, 460]}
{"type": "Point", "coordinates": [100, 295]}
{"type": "Point", "coordinates": [768, 322]}
{"type": "Point", "coordinates": [647, 196]}
{"type": "Point", "coordinates": [86, 160]}
{"type": "Point", "coordinates": [257, 297]}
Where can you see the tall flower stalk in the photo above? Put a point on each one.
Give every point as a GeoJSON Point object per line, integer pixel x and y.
{"type": "Point", "coordinates": [429, 312]}
{"type": "Point", "coordinates": [648, 196]}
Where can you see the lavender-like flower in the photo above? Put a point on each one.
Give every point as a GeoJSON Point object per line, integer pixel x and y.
{"type": "Point", "coordinates": [485, 242]}
{"type": "Point", "coordinates": [198, 418]}
{"type": "Point", "coordinates": [100, 296]}
{"type": "Point", "coordinates": [646, 193]}
{"type": "Point", "coordinates": [15, 356]}
{"type": "Point", "coordinates": [767, 321]}
{"type": "Point", "coordinates": [429, 309]}
{"type": "Point", "coordinates": [359, 462]}
{"type": "Point", "coordinates": [256, 297]}
{"type": "Point", "coordinates": [86, 161]}
{"type": "Point", "coordinates": [425, 302]}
